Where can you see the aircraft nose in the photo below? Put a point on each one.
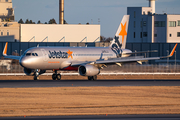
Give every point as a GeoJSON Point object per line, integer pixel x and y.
{"type": "Point", "coordinates": [24, 62]}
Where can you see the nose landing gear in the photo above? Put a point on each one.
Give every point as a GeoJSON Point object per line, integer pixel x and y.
{"type": "Point", "coordinates": [56, 76]}
{"type": "Point", "coordinates": [36, 75]}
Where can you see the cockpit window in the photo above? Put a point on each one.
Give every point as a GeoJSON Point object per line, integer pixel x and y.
{"type": "Point", "coordinates": [31, 54]}
{"type": "Point", "coordinates": [28, 54]}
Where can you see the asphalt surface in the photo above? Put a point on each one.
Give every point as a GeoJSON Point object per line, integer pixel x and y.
{"type": "Point", "coordinates": [85, 83]}
{"type": "Point", "coordinates": [101, 117]}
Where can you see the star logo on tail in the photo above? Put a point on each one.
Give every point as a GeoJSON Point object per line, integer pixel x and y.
{"type": "Point", "coordinates": [70, 54]}
{"type": "Point", "coordinates": [123, 31]}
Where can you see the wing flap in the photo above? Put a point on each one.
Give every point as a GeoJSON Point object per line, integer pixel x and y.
{"type": "Point", "coordinates": [140, 52]}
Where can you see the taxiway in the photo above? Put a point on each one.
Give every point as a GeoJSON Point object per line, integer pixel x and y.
{"type": "Point", "coordinates": [85, 83]}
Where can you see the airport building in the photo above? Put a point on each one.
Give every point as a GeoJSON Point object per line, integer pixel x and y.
{"type": "Point", "coordinates": [148, 27]}
{"type": "Point", "coordinates": [9, 29]}
{"type": "Point", "coordinates": [59, 33]}
{"type": "Point", "coordinates": [6, 10]}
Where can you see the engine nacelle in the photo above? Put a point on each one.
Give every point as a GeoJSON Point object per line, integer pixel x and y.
{"type": "Point", "coordinates": [88, 70]}
{"type": "Point", "coordinates": [31, 72]}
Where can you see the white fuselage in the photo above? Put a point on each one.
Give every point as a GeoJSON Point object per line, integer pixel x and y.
{"type": "Point", "coordinates": [48, 58]}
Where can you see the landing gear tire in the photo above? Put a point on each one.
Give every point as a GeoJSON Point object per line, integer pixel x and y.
{"type": "Point", "coordinates": [54, 76]}
{"type": "Point", "coordinates": [36, 77]}
{"type": "Point", "coordinates": [89, 78]}
{"type": "Point", "coordinates": [92, 77]}
{"type": "Point", "coordinates": [58, 76]}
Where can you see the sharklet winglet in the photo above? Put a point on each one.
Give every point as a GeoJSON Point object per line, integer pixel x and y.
{"type": "Point", "coordinates": [172, 52]}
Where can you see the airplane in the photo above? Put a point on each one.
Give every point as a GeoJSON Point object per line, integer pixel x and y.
{"type": "Point", "coordinates": [88, 61]}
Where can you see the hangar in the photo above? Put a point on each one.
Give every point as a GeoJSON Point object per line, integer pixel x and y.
{"type": "Point", "coordinates": [59, 33]}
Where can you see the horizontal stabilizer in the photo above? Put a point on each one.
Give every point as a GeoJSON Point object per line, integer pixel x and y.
{"type": "Point", "coordinates": [12, 57]}
{"type": "Point", "coordinates": [5, 49]}
{"type": "Point", "coordinates": [140, 52]}
{"type": "Point", "coordinates": [9, 56]}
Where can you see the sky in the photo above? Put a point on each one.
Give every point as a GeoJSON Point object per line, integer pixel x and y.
{"type": "Point", "coordinates": [107, 13]}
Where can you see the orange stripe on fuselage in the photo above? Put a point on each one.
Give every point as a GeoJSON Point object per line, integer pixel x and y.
{"type": "Point", "coordinates": [54, 62]}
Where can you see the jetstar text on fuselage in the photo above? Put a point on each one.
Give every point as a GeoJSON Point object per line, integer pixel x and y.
{"type": "Point", "coordinates": [58, 54]}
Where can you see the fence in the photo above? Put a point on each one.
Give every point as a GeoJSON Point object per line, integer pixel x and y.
{"type": "Point", "coordinates": [114, 69]}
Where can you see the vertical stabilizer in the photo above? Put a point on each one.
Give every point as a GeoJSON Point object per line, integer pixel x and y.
{"type": "Point", "coordinates": [119, 41]}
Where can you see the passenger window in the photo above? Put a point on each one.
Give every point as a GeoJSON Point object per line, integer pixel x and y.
{"type": "Point", "coordinates": [28, 54]}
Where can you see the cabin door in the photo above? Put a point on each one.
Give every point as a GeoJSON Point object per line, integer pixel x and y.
{"type": "Point", "coordinates": [45, 55]}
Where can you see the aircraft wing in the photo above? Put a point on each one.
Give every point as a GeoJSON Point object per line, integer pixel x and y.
{"type": "Point", "coordinates": [9, 56]}
{"type": "Point", "coordinates": [138, 59]}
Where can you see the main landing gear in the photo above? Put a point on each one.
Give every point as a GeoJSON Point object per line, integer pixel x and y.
{"type": "Point", "coordinates": [56, 76]}
{"type": "Point", "coordinates": [92, 77]}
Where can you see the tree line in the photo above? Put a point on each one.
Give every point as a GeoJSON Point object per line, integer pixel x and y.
{"type": "Point", "coordinates": [105, 39]}
{"type": "Point", "coordinates": [51, 21]}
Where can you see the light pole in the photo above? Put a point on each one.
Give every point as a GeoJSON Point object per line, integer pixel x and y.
{"type": "Point", "coordinates": [16, 52]}
{"type": "Point", "coordinates": [175, 57]}
{"type": "Point", "coordinates": [175, 62]}
{"type": "Point", "coordinates": [15, 62]}
{"type": "Point", "coordinates": [20, 52]}
{"type": "Point", "coordinates": [168, 57]}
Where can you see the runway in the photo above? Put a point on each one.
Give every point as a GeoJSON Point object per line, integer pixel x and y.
{"type": "Point", "coordinates": [101, 117]}
{"type": "Point", "coordinates": [85, 83]}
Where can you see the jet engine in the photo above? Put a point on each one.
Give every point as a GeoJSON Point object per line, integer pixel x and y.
{"type": "Point", "coordinates": [88, 70]}
{"type": "Point", "coordinates": [31, 72]}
